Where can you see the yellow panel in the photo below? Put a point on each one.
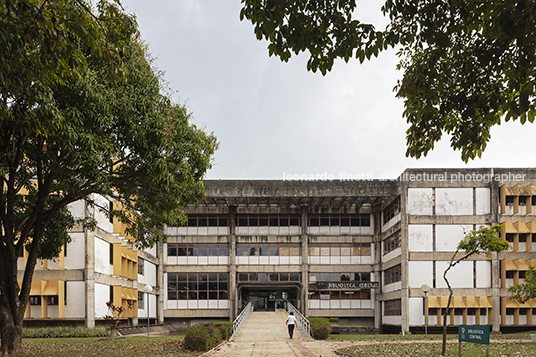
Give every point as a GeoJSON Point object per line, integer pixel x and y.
{"type": "Point", "coordinates": [51, 288]}
{"type": "Point", "coordinates": [458, 302]}
{"type": "Point", "coordinates": [521, 264]}
{"type": "Point", "coordinates": [509, 227]}
{"type": "Point", "coordinates": [521, 227]}
{"type": "Point", "coordinates": [485, 301]}
{"type": "Point", "coordinates": [512, 303]}
{"type": "Point", "coordinates": [471, 301]}
{"type": "Point", "coordinates": [509, 264]}
{"type": "Point", "coordinates": [532, 227]}
{"type": "Point", "coordinates": [510, 191]}
{"type": "Point", "coordinates": [36, 287]}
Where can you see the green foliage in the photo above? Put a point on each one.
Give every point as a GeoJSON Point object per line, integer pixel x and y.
{"type": "Point", "coordinates": [203, 337]}
{"type": "Point", "coordinates": [467, 64]}
{"type": "Point", "coordinates": [522, 292]}
{"type": "Point", "coordinates": [57, 332]}
{"type": "Point", "coordinates": [484, 240]}
{"type": "Point", "coordinates": [82, 116]}
{"type": "Point", "coordinates": [320, 327]}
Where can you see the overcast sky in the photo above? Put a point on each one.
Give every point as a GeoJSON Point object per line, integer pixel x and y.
{"type": "Point", "coordinates": [276, 119]}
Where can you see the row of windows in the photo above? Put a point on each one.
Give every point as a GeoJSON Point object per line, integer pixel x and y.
{"type": "Point", "coordinates": [197, 250]}
{"type": "Point", "coordinates": [282, 249]}
{"type": "Point", "coordinates": [392, 275]}
{"type": "Point", "coordinates": [522, 200]}
{"type": "Point", "coordinates": [522, 238]}
{"type": "Point", "coordinates": [267, 220]}
{"type": "Point", "coordinates": [276, 277]}
{"type": "Point", "coordinates": [339, 220]}
{"type": "Point", "coordinates": [198, 286]}
{"type": "Point", "coordinates": [51, 300]}
{"type": "Point", "coordinates": [340, 249]}
{"type": "Point", "coordinates": [207, 220]}
{"type": "Point", "coordinates": [393, 242]}
{"type": "Point", "coordinates": [316, 277]}
{"type": "Point", "coordinates": [279, 220]}
{"type": "Point", "coordinates": [392, 210]}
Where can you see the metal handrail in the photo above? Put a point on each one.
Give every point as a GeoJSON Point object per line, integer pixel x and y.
{"type": "Point", "coordinates": [303, 323]}
{"type": "Point", "coordinates": [239, 321]}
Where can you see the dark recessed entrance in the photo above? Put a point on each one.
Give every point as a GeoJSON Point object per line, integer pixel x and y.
{"type": "Point", "coordinates": [268, 298]}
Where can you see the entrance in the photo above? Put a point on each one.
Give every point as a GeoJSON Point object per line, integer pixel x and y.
{"type": "Point", "coordinates": [271, 299]}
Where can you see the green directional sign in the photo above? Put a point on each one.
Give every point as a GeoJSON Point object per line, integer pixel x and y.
{"type": "Point", "coordinates": [474, 334]}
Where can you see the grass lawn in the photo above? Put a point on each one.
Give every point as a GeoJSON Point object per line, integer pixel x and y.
{"type": "Point", "coordinates": [119, 347]}
{"type": "Point", "coordinates": [500, 345]}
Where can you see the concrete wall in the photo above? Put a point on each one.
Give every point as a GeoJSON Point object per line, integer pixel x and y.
{"type": "Point", "coordinates": [76, 300]}
{"type": "Point", "coordinates": [102, 257]}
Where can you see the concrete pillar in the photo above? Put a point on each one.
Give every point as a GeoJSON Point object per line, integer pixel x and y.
{"type": "Point", "coordinates": [89, 274]}
{"type": "Point", "coordinates": [233, 287]}
{"type": "Point", "coordinates": [495, 262]}
{"type": "Point", "coordinates": [376, 218]}
{"type": "Point", "coordinates": [160, 289]}
{"type": "Point", "coordinates": [305, 260]}
{"type": "Point", "coordinates": [405, 256]}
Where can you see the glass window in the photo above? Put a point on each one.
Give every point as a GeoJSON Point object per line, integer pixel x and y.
{"type": "Point", "coordinates": [202, 251]}
{"type": "Point", "coordinates": [223, 250]}
{"type": "Point", "coordinates": [242, 276]}
{"type": "Point", "coordinates": [213, 250]}
{"type": "Point", "coordinates": [283, 276]}
{"type": "Point", "coordinates": [253, 251]}
{"type": "Point", "coordinates": [324, 276]}
{"type": "Point", "coordinates": [264, 251]}
{"type": "Point", "coordinates": [274, 250]}
{"type": "Point", "coordinates": [294, 276]}
{"type": "Point", "coordinates": [314, 277]}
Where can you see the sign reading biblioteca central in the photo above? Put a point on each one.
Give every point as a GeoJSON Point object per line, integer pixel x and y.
{"type": "Point", "coordinates": [474, 334]}
{"type": "Point", "coordinates": [345, 285]}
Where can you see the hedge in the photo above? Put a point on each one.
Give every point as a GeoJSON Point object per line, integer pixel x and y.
{"type": "Point", "coordinates": [203, 337]}
{"type": "Point", "coordinates": [320, 327]}
{"type": "Point", "coordinates": [61, 331]}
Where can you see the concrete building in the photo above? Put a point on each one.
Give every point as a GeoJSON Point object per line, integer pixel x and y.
{"type": "Point", "coordinates": [359, 250]}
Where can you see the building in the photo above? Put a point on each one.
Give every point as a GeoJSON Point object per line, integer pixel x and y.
{"type": "Point", "coordinates": [359, 250]}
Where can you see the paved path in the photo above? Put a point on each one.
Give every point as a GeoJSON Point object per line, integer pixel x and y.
{"type": "Point", "coordinates": [266, 334]}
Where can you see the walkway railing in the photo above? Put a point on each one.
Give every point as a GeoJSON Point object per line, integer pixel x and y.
{"type": "Point", "coordinates": [239, 321]}
{"type": "Point", "coordinates": [303, 323]}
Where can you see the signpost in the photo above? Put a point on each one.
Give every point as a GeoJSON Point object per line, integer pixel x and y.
{"type": "Point", "coordinates": [473, 334]}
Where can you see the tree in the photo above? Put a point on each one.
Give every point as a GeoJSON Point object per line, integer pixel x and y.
{"type": "Point", "coordinates": [87, 117]}
{"type": "Point", "coordinates": [482, 241]}
{"type": "Point", "coordinates": [467, 65]}
{"type": "Point", "coordinates": [522, 292]}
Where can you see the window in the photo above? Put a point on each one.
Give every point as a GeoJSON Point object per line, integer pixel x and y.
{"type": "Point", "coordinates": [35, 300]}
{"type": "Point", "coordinates": [140, 300]}
{"type": "Point", "coordinates": [392, 275]}
{"type": "Point", "coordinates": [141, 268]}
{"type": "Point", "coordinates": [339, 220]}
{"type": "Point", "coordinates": [210, 220]}
{"type": "Point", "coordinates": [392, 307]}
{"type": "Point", "coordinates": [65, 293]}
{"type": "Point", "coordinates": [510, 237]}
{"type": "Point", "coordinates": [52, 300]}
{"type": "Point", "coordinates": [267, 220]}
{"type": "Point", "coordinates": [339, 249]}
{"type": "Point", "coordinates": [111, 253]}
{"type": "Point", "coordinates": [316, 277]}
{"type": "Point", "coordinates": [391, 210]}
{"type": "Point", "coordinates": [272, 249]}
{"type": "Point", "coordinates": [268, 277]}
{"type": "Point", "coordinates": [111, 208]}
{"type": "Point", "coordinates": [534, 200]}
{"type": "Point", "coordinates": [198, 286]}
{"type": "Point", "coordinates": [111, 293]}
{"type": "Point", "coordinates": [197, 250]}
{"type": "Point", "coordinates": [522, 200]}
{"type": "Point", "coordinates": [392, 243]}
{"type": "Point", "coordinates": [509, 200]}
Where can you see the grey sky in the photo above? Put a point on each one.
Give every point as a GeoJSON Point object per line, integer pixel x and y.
{"type": "Point", "coordinates": [274, 119]}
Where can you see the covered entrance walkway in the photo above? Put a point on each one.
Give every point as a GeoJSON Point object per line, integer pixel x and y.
{"type": "Point", "coordinates": [265, 334]}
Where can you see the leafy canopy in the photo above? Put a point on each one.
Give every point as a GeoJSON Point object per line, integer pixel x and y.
{"type": "Point", "coordinates": [467, 65]}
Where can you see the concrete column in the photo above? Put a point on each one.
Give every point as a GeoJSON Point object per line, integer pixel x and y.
{"type": "Point", "coordinates": [160, 289]}
{"type": "Point", "coordinates": [89, 274]}
{"type": "Point", "coordinates": [405, 256]}
{"type": "Point", "coordinates": [233, 287]}
{"type": "Point", "coordinates": [376, 218]}
{"type": "Point", "coordinates": [495, 262]}
{"type": "Point", "coordinates": [305, 260]}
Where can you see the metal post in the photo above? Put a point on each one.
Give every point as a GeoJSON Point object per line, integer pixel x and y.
{"type": "Point", "coordinates": [425, 316]}
{"type": "Point", "coordinates": [148, 289]}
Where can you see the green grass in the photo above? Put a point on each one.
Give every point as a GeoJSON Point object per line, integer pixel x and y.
{"type": "Point", "coordinates": [118, 347]}
{"type": "Point", "coordinates": [498, 349]}
{"type": "Point", "coordinates": [335, 337]}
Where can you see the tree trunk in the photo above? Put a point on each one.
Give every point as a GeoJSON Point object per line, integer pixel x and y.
{"type": "Point", "coordinates": [10, 331]}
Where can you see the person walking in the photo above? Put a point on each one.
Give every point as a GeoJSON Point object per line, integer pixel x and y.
{"type": "Point", "coordinates": [291, 323]}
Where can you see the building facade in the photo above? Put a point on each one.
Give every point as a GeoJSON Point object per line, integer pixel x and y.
{"type": "Point", "coordinates": [359, 250]}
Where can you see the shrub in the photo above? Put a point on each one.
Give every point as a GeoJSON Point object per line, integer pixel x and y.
{"type": "Point", "coordinates": [203, 337]}
{"type": "Point", "coordinates": [320, 327]}
{"type": "Point", "coordinates": [334, 319]}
